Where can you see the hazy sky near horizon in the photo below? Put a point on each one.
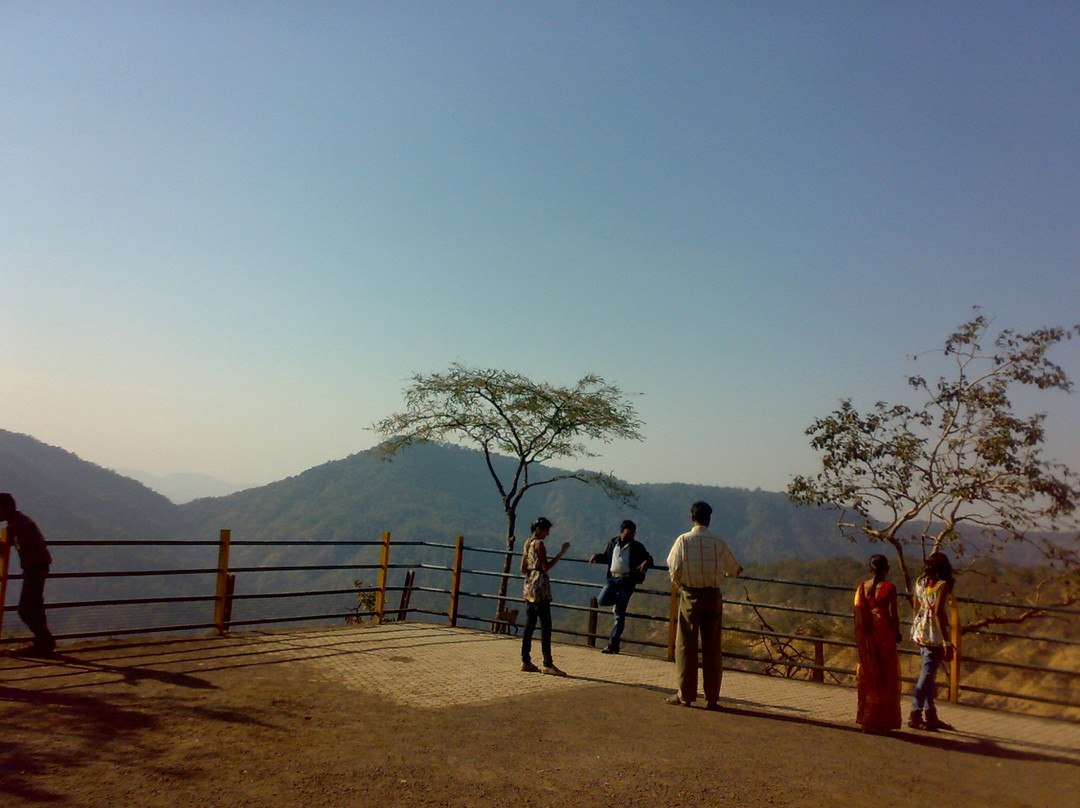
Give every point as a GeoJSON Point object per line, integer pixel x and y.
{"type": "Point", "coordinates": [230, 232]}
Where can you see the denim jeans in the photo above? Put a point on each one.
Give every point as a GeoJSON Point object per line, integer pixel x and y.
{"type": "Point", "coordinates": [925, 686]}
{"type": "Point", "coordinates": [617, 592]}
{"type": "Point", "coordinates": [537, 611]}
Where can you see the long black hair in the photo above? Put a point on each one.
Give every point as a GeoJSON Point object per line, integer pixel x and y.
{"type": "Point", "coordinates": [939, 567]}
{"type": "Point", "coordinates": [879, 565]}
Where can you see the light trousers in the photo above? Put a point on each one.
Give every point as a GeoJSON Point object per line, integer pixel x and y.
{"type": "Point", "coordinates": [701, 623]}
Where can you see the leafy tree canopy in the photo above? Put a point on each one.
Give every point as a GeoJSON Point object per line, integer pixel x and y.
{"type": "Point", "coordinates": [501, 412]}
{"type": "Point", "coordinates": [963, 471]}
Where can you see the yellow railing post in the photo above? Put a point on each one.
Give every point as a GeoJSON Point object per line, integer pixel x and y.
{"type": "Point", "coordinates": [222, 594]}
{"type": "Point", "coordinates": [673, 622]}
{"type": "Point", "coordinates": [455, 591]}
{"type": "Point", "coordinates": [5, 557]}
{"type": "Point", "coordinates": [954, 666]}
{"type": "Point", "coordinates": [384, 568]}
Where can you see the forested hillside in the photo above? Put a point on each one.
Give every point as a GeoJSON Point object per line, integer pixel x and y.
{"type": "Point", "coordinates": [432, 493]}
{"type": "Point", "coordinates": [435, 493]}
{"type": "Point", "coordinates": [71, 498]}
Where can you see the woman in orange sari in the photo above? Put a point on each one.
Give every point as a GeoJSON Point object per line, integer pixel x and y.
{"type": "Point", "coordinates": [877, 633]}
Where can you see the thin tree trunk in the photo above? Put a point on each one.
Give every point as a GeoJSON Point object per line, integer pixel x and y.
{"type": "Point", "coordinates": [500, 606]}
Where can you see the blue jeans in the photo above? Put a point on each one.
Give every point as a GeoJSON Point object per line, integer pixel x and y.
{"type": "Point", "coordinates": [617, 592]}
{"type": "Point", "coordinates": [925, 686]}
{"type": "Point", "coordinates": [533, 612]}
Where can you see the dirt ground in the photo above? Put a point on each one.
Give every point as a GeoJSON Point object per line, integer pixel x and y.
{"type": "Point", "coordinates": [118, 732]}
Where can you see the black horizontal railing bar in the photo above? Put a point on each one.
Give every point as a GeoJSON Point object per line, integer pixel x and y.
{"type": "Point", "coordinates": [1020, 666]}
{"type": "Point", "coordinates": [571, 582]}
{"type": "Point", "coordinates": [1014, 636]}
{"type": "Point", "coordinates": [563, 582]}
{"type": "Point", "coordinates": [470, 548]}
{"type": "Point", "coordinates": [780, 608]}
{"type": "Point", "coordinates": [961, 600]}
{"type": "Point", "coordinates": [271, 595]}
{"type": "Point", "coordinates": [258, 621]}
{"type": "Point", "coordinates": [127, 573]}
{"type": "Point", "coordinates": [807, 638]}
{"type": "Point", "coordinates": [73, 604]}
{"type": "Point", "coordinates": [784, 663]}
{"type": "Point", "coordinates": [215, 543]}
{"type": "Point", "coordinates": [430, 589]}
{"type": "Point", "coordinates": [780, 635]}
{"type": "Point", "coordinates": [1028, 606]}
{"type": "Point", "coordinates": [133, 543]}
{"type": "Point", "coordinates": [564, 606]}
{"type": "Point", "coordinates": [305, 568]}
{"type": "Point", "coordinates": [490, 574]}
{"type": "Point", "coordinates": [791, 663]}
{"type": "Point", "coordinates": [832, 641]}
{"type": "Point", "coordinates": [298, 543]}
{"type": "Point", "coordinates": [569, 607]}
{"type": "Point", "coordinates": [803, 584]}
{"type": "Point", "coordinates": [432, 612]}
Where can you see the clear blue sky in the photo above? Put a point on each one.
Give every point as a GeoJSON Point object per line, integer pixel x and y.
{"type": "Point", "coordinates": [229, 232]}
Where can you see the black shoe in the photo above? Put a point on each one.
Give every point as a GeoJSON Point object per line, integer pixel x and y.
{"type": "Point", "coordinates": [611, 649]}
{"type": "Point", "coordinates": [34, 652]}
{"type": "Point", "coordinates": [932, 723]}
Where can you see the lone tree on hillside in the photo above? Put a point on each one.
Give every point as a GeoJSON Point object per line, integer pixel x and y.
{"type": "Point", "coordinates": [507, 413]}
{"type": "Point", "coordinates": [963, 471]}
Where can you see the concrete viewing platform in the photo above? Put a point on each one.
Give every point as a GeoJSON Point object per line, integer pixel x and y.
{"type": "Point", "coordinates": [426, 669]}
{"type": "Point", "coordinates": [434, 667]}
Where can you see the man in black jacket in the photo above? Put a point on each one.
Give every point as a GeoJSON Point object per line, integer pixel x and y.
{"type": "Point", "coordinates": [35, 559]}
{"type": "Point", "coordinates": [627, 562]}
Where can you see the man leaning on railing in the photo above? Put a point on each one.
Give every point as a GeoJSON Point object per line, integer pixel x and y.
{"type": "Point", "coordinates": [35, 559]}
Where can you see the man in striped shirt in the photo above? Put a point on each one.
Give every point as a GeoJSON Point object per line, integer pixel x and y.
{"type": "Point", "coordinates": [697, 564]}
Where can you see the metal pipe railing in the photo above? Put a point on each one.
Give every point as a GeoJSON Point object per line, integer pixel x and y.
{"type": "Point", "coordinates": [764, 647]}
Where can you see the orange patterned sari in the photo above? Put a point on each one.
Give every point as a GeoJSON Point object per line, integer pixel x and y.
{"type": "Point", "coordinates": [878, 673]}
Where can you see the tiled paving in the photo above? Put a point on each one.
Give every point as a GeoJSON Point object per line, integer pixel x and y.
{"type": "Point", "coordinates": [434, 667]}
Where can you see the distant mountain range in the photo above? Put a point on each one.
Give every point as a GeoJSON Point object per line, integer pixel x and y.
{"type": "Point", "coordinates": [431, 492]}
{"type": "Point", "coordinates": [183, 488]}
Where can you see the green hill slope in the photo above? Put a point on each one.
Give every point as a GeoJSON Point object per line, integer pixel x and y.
{"type": "Point", "coordinates": [436, 492]}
